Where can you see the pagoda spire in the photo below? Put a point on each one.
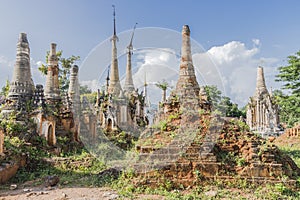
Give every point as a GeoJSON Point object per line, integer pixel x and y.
{"type": "Point", "coordinates": [114, 86]}
{"type": "Point", "coordinates": [187, 84]}
{"type": "Point", "coordinates": [131, 39]}
{"type": "Point", "coordinates": [260, 82]}
{"type": "Point", "coordinates": [114, 14]}
{"type": "Point", "coordinates": [129, 86]}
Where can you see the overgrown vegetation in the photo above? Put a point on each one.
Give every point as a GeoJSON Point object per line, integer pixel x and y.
{"type": "Point", "coordinates": [129, 187]}
{"type": "Point", "coordinates": [222, 104]}
{"type": "Point", "coordinates": [73, 167]}
{"type": "Point", "coordinates": [65, 65]}
{"type": "Point", "coordinates": [80, 169]}
{"type": "Point", "coordinates": [293, 152]}
{"type": "Point", "coordinates": [289, 98]}
{"type": "Point", "coordinates": [5, 89]}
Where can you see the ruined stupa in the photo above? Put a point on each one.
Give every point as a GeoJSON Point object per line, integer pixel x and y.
{"type": "Point", "coordinates": [187, 85]}
{"type": "Point", "coordinates": [73, 91]}
{"type": "Point", "coordinates": [21, 85]}
{"type": "Point", "coordinates": [118, 109]}
{"type": "Point", "coordinates": [262, 112]}
{"type": "Point", "coordinates": [74, 97]}
{"type": "Point", "coordinates": [25, 101]}
{"type": "Point", "coordinates": [52, 91]}
{"type": "Point", "coordinates": [190, 143]}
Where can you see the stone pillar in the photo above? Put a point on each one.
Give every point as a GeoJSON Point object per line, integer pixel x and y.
{"type": "Point", "coordinates": [73, 91]}
{"type": "Point", "coordinates": [249, 117]}
{"type": "Point", "coordinates": [74, 95]}
{"type": "Point", "coordinates": [21, 84]}
{"type": "Point", "coordinates": [52, 91]}
{"type": "Point", "coordinates": [187, 82]}
{"type": "Point", "coordinates": [258, 116]}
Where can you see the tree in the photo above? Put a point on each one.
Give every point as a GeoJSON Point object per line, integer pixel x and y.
{"type": "Point", "coordinates": [213, 95]}
{"type": "Point", "coordinates": [84, 89]}
{"type": "Point", "coordinates": [65, 65]}
{"type": "Point", "coordinates": [290, 75]}
{"type": "Point", "coordinates": [164, 86]}
{"type": "Point", "coordinates": [221, 103]}
{"type": "Point", "coordinates": [230, 109]}
{"type": "Point", "coordinates": [5, 89]}
{"type": "Point", "coordinates": [288, 98]}
{"type": "Point", "coordinates": [289, 107]}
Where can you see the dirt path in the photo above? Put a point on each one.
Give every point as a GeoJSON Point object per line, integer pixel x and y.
{"type": "Point", "coordinates": [59, 193]}
{"type": "Point", "coordinates": [76, 193]}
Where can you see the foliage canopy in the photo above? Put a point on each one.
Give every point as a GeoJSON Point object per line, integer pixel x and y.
{"type": "Point", "coordinates": [289, 98]}
{"type": "Point", "coordinates": [65, 65]}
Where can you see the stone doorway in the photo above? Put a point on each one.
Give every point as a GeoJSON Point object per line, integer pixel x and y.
{"type": "Point", "coordinates": [51, 136]}
{"type": "Point", "coordinates": [109, 124]}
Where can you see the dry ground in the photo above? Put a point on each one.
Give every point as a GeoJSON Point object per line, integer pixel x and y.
{"type": "Point", "coordinates": [76, 193]}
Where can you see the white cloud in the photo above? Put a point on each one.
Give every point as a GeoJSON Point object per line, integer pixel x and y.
{"type": "Point", "coordinates": [156, 64]}
{"type": "Point", "coordinates": [236, 65]}
{"type": "Point", "coordinates": [232, 51]}
{"type": "Point", "coordinates": [256, 42]}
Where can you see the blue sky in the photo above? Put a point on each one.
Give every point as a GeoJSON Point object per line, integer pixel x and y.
{"type": "Point", "coordinates": [268, 29]}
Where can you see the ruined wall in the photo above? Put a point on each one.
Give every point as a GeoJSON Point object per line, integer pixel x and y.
{"type": "Point", "coordinates": [293, 132]}
{"type": "Point", "coordinates": [7, 171]}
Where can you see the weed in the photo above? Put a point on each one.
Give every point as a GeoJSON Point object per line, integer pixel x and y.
{"type": "Point", "coordinates": [240, 161]}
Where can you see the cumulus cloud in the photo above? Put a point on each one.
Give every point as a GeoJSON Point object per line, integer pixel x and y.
{"type": "Point", "coordinates": [156, 65]}
{"type": "Point", "coordinates": [256, 42]}
{"type": "Point", "coordinates": [232, 51]}
{"type": "Point", "coordinates": [234, 66]}
{"type": "Point", "coordinates": [94, 85]}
